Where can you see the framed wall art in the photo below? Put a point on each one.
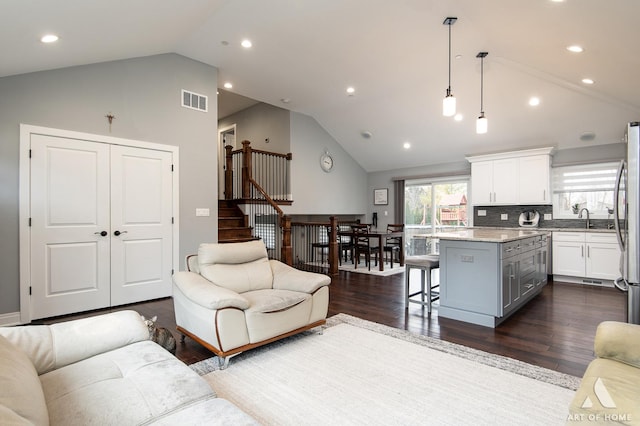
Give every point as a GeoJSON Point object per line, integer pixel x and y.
{"type": "Point", "coordinates": [381, 197]}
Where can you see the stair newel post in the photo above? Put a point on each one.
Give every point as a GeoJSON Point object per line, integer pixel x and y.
{"type": "Point", "coordinates": [287, 252]}
{"type": "Point", "coordinates": [246, 169]}
{"type": "Point", "coordinates": [333, 246]}
{"type": "Point", "coordinates": [228, 173]}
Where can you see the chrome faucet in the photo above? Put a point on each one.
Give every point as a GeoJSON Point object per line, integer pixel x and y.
{"type": "Point", "coordinates": [580, 216]}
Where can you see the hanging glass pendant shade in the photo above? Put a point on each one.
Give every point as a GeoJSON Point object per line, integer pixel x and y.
{"type": "Point", "coordinates": [482, 124]}
{"type": "Point", "coordinates": [449, 105]}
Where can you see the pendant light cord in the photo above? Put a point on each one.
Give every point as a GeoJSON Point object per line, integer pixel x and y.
{"type": "Point", "coordinates": [449, 88]}
{"type": "Point", "coordinates": [482, 85]}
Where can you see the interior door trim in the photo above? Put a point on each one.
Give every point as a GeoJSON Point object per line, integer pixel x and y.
{"type": "Point", "coordinates": [24, 195]}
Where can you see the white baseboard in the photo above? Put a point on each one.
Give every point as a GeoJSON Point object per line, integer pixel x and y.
{"type": "Point", "coordinates": [587, 281]}
{"type": "Point", "coordinates": [12, 318]}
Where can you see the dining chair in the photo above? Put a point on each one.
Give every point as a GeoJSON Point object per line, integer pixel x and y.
{"type": "Point", "coordinates": [393, 244]}
{"type": "Point", "coordinates": [322, 244]}
{"type": "Point", "coordinates": [345, 244]}
{"type": "Point", "coordinates": [362, 245]}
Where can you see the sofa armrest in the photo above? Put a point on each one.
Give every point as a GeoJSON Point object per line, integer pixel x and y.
{"type": "Point", "coordinates": [207, 294]}
{"type": "Point", "coordinates": [286, 277]}
{"type": "Point", "coordinates": [53, 346]}
{"type": "Point", "coordinates": [618, 341]}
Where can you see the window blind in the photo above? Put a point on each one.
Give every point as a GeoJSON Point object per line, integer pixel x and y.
{"type": "Point", "coordinates": [584, 178]}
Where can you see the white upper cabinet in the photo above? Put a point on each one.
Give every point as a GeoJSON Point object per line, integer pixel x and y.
{"type": "Point", "coordinates": [489, 182]}
{"type": "Point", "coordinates": [520, 177]}
{"type": "Point", "coordinates": [534, 181]}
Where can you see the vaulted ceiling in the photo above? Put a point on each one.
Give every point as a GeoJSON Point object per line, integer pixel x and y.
{"type": "Point", "coordinates": [394, 54]}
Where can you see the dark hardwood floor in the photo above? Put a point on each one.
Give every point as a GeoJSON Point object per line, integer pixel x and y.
{"type": "Point", "coordinates": [554, 330]}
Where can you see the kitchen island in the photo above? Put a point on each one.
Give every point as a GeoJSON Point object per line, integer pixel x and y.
{"type": "Point", "coordinates": [488, 274]}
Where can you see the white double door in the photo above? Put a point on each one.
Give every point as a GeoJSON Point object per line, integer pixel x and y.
{"type": "Point", "coordinates": [101, 225]}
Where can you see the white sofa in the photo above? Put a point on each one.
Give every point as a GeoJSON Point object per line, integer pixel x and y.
{"type": "Point", "coordinates": [233, 298]}
{"type": "Point", "coordinates": [101, 370]}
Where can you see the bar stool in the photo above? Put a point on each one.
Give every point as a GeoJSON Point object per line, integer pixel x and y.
{"type": "Point", "coordinates": [426, 264]}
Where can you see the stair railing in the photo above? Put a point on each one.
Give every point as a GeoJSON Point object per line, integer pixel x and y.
{"type": "Point", "coordinates": [263, 184]}
{"type": "Point", "coordinates": [271, 170]}
{"type": "Point", "coordinates": [315, 246]}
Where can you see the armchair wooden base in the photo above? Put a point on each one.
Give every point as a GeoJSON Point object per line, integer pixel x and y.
{"type": "Point", "coordinates": [225, 356]}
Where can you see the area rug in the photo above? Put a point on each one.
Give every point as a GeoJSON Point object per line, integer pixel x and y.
{"type": "Point", "coordinates": [359, 372]}
{"type": "Point", "coordinates": [362, 269]}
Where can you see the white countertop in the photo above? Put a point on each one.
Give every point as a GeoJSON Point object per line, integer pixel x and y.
{"type": "Point", "coordinates": [502, 235]}
{"type": "Point", "coordinates": [489, 235]}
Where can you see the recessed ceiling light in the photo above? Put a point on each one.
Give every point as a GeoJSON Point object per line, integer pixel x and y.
{"type": "Point", "coordinates": [458, 117]}
{"type": "Point", "coordinates": [557, 1]}
{"type": "Point", "coordinates": [366, 134]}
{"type": "Point", "coordinates": [406, 145]}
{"type": "Point", "coordinates": [351, 91]}
{"type": "Point", "coordinates": [49, 38]}
{"type": "Point", "coordinates": [246, 43]}
{"type": "Point", "coordinates": [228, 85]}
{"type": "Point", "coordinates": [587, 81]}
{"type": "Point", "coordinates": [534, 101]}
{"type": "Point", "coordinates": [285, 100]}
{"type": "Point", "coordinates": [575, 48]}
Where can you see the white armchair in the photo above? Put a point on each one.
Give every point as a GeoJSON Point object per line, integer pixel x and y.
{"type": "Point", "coordinates": [233, 298]}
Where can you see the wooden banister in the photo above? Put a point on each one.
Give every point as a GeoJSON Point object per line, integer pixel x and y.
{"type": "Point", "coordinates": [228, 173]}
{"type": "Point", "coordinates": [243, 187]}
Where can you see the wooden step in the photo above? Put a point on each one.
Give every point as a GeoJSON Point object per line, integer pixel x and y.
{"type": "Point", "coordinates": [231, 222]}
{"type": "Point", "coordinates": [229, 212]}
{"type": "Point", "coordinates": [237, 240]}
{"type": "Point", "coordinates": [230, 233]}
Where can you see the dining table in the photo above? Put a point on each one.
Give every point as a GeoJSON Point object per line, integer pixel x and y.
{"type": "Point", "coordinates": [380, 236]}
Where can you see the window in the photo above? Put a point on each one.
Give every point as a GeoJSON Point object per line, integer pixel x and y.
{"type": "Point", "coordinates": [587, 186]}
{"type": "Point", "coordinates": [432, 206]}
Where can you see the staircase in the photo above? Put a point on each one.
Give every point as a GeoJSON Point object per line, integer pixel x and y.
{"type": "Point", "coordinates": [232, 223]}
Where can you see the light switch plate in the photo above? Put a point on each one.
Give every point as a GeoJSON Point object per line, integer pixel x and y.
{"type": "Point", "coordinates": [548, 216]}
{"type": "Point", "coordinates": [504, 216]}
{"type": "Point", "coordinates": [203, 212]}
{"type": "Point", "coordinates": [482, 212]}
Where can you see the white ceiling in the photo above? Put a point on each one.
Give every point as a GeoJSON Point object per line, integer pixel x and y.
{"type": "Point", "coordinates": [393, 52]}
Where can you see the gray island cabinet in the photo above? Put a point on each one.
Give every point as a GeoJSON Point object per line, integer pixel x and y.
{"type": "Point", "coordinates": [488, 274]}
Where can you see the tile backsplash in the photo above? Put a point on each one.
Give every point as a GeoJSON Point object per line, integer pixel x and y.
{"type": "Point", "coordinates": [494, 214]}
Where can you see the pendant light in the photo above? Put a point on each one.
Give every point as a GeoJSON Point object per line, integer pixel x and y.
{"type": "Point", "coordinates": [482, 123]}
{"type": "Point", "coordinates": [449, 102]}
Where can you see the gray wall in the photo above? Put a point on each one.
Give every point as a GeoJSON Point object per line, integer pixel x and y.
{"type": "Point", "coordinates": [144, 96]}
{"type": "Point", "coordinates": [258, 123]}
{"type": "Point", "coordinates": [340, 192]}
{"type": "Point", "coordinates": [315, 193]}
{"type": "Point", "coordinates": [590, 154]}
{"type": "Point", "coordinates": [385, 179]}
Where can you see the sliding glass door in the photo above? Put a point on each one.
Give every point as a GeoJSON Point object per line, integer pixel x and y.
{"type": "Point", "coordinates": [430, 207]}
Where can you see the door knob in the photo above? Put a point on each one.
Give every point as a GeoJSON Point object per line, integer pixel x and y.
{"type": "Point", "coordinates": [103, 233]}
{"type": "Point", "coordinates": [116, 233]}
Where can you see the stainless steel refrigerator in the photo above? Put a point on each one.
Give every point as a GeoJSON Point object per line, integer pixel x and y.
{"type": "Point", "coordinates": [626, 212]}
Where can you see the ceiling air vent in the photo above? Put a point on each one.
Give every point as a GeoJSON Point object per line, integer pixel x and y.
{"type": "Point", "coordinates": [195, 101]}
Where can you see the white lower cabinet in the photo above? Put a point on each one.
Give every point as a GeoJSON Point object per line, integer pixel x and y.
{"type": "Point", "coordinates": [589, 257]}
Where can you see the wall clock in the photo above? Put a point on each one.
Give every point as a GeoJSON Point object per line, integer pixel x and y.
{"type": "Point", "coordinates": [326, 162]}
